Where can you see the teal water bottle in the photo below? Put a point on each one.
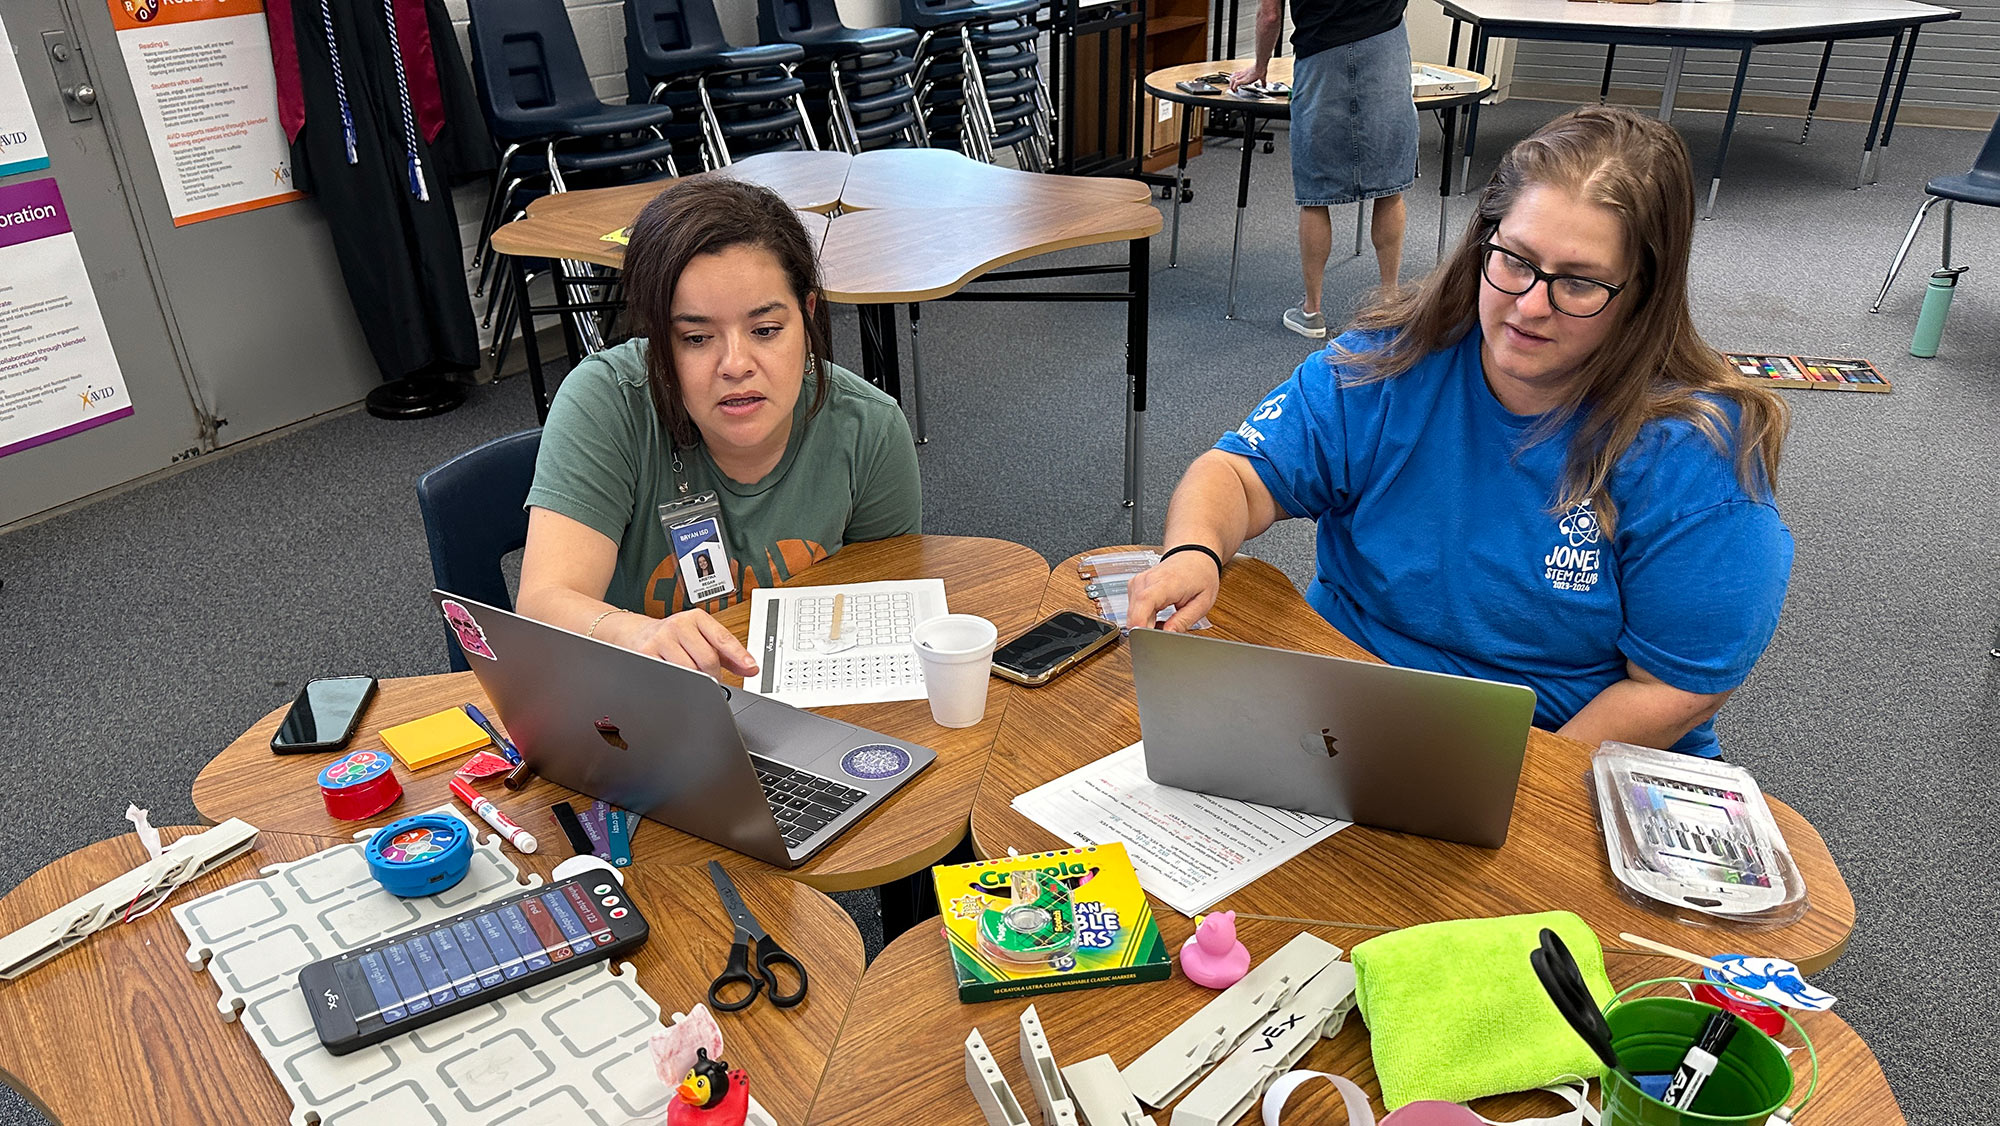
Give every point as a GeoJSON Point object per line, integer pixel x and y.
{"type": "Point", "coordinates": [1937, 304]}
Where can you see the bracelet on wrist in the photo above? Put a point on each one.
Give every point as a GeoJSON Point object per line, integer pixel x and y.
{"type": "Point", "coordinates": [599, 620]}
{"type": "Point", "coordinates": [1203, 548]}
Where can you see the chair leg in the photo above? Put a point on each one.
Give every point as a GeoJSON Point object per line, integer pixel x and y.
{"type": "Point", "coordinates": [1903, 251]}
{"type": "Point", "coordinates": [1947, 234]}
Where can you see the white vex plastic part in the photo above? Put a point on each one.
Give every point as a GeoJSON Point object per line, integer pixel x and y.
{"type": "Point", "coordinates": [1043, 1075]}
{"type": "Point", "coordinates": [1229, 1092]}
{"type": "Point", "coordinates": [1171, 1066]}
{"type": "Point", "coordinates": [989, 1087]}
{"type": "Point", "coordinates": [186, 860]}
{"type": "Point", "coordinates": [1101, 1096]}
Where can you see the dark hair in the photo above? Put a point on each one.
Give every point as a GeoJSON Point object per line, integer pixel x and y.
{"type": "Point", "coordinates": [708, 214]}
{"type": "Point", "coordinates": [1655, 365]}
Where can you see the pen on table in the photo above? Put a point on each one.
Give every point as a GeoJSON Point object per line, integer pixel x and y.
{"type": "Point", "coordinates": [500, 742]}
{"type": "Point", "coordinates": [1699, 1063]}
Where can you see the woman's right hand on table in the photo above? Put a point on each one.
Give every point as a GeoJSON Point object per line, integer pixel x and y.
{"type": "Point", "coordinates": [691, 639]}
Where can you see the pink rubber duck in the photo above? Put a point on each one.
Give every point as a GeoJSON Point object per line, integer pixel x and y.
{"type": "Point", "coordinates": [1212, 956]}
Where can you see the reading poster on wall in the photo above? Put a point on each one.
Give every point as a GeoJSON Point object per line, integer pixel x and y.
{"type": "Point", "coordinates": [58, 375]}
{"type": "Point", "coordinates": [201, 70]}
{"type": "Point", "coordinates": [21, 147]}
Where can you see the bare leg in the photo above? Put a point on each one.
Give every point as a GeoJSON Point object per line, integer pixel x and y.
{"type": "Point", "coordinates": [1387, 230]}
{"type": "Point", "coordinates": [1315, 245]}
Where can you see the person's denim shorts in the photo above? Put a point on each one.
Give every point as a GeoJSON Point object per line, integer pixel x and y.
{"type": "Point", "coordinates": [1354, 124]}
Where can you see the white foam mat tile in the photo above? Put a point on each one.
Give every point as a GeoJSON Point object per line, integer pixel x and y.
{"type": "Point", "coordinates": [571, 1051]}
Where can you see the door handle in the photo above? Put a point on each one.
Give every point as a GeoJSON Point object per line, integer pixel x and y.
{"type": "Point", "coordinates": [72, 76]}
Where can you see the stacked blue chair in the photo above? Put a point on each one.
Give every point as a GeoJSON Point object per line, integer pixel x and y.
{"type": "Point", "coordinates": [978, 80]}
{"type": "Point", "coordinates": [740, 100]}
{"type": "Point", "coordinates": [857, 79]}
{"type": "Point", "coordinates": [1980, 185]}
{"type": "Point", "coordinates": [540, 106]}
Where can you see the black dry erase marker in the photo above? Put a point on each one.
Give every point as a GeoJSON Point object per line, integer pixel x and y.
{"type": "Point", "coordinates": [1699, 1063]}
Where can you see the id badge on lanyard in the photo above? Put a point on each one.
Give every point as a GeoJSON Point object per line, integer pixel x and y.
{"type": "Point", "coordinates": [693, 525]}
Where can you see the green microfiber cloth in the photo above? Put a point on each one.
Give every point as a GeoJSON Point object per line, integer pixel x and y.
{"type": "Point", "coordinates": [1455, 1012]}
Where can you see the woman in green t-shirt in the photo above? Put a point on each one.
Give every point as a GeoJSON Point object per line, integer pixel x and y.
{"type": "Point", "coordinates": [725, 391]}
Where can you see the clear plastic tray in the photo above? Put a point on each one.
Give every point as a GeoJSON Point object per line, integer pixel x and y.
{"type": "Point", "coordinates": [1693, 835]}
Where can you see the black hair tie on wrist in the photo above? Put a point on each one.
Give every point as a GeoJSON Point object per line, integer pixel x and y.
{"type": "Point", "coordinates": [1205, 550]}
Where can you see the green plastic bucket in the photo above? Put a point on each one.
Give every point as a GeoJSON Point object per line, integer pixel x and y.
{"type": "Point", "coordinates": [1752, 1077]}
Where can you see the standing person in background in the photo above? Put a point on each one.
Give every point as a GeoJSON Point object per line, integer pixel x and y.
{"type": "Point", "coordinates": [1354, 128]}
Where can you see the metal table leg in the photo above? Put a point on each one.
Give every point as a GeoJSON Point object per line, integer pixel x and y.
{"type": "Point", "coordinates": [528, 342]}
{"type": "Point", "coordinates": [1895, 103]}
{"type": "Point", "coordinates": [1472, 113]}
{"type": "Point", "coordinates": [1242, 203]}
{"type": "Point", "coordinates": [1604, 87]}
{"type": "Point", "coordinates": [1819, 83]}
{"type": "Point", "coordinates": [1728, 127]}
{"type": "Point", "coordinates": [1360, 225]}
{"type": "Point", "coordinates": [1677, 58]}
{"type": "Point", "coordinates": [878, 349]}
{"type": "Point", "coordinates": [1137, 315]}
{"type": "Point", "coordinates": [1448, 121]}
{"type": "Point", "coordinates": [1180, 179]}
{"type": "Point", "coordinates": [1881, 99]}
{"type": "Point", "coordinates": [917, 372]}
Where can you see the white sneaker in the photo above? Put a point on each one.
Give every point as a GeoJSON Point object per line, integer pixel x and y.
{"type": "Point", "coordinates": [1309, 325]}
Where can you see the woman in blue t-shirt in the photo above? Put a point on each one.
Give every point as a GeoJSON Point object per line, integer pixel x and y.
{"type": "Point", "coordinates": [1530, 467]}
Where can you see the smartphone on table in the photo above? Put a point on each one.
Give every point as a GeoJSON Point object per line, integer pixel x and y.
{"type": "Point", "coordinates": [1052, 646]}
{"type": "Point", "coordinates": [324, 716]}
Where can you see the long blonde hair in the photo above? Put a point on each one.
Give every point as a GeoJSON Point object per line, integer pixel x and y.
{"type": "Point", "coordinates": [1656, 365]}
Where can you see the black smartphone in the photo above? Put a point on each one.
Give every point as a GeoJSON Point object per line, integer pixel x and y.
{"type": "Point", "coordinates": [408, 980]}
{"type": "Point", "coordinates": [1059, 642]}
{"type": "Point", "coordinates": [324, 716]}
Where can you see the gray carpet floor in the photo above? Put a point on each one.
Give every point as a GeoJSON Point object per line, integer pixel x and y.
{"type": "Point", "coordinates": [144, 631]}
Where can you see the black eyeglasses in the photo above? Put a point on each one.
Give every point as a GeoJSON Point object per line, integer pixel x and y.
{"type": "Point", "coordinates": [1571, 295]}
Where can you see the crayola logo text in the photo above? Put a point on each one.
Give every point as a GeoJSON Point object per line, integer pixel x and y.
{"type": "Point", "coordinates": [1060, 871]}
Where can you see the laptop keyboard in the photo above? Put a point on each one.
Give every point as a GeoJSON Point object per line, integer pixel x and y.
{"type": "Point", "coordinates": [804, 803]}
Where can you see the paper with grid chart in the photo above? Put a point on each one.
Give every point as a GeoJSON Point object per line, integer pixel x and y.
{"type": "Point", "coordinates": [572, 1050]}
{"type": "Point", "coordinates": [1189, 849]}
{"type": "Point", "coordinates": [802, 663]}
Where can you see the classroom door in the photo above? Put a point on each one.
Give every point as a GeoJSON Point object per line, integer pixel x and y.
{"type": "Point", "coordinates": [168, 419]}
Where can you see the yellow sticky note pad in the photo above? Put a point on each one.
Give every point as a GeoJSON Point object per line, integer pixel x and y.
{"type": "Point", "coordinates": [421, 742]}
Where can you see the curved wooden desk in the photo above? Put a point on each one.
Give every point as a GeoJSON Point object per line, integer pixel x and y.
{"type": "Point", "coordinates": [995, 579]}
{"type": "Point", "coordinates": [1162, 84]}
{"type": "Point", "coordinates": [1554, 856]}
{"type": "Point", "coordinates": [908, 999]}
{"type": "Point", "coordinates": [122, 1029]}
{"type": "Point", "coordinates": [904, 226]}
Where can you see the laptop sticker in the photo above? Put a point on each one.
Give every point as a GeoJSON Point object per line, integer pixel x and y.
{"type": "Point", "coordinates": [471, 638]}
{"type": "Point", "coordinates": [875, 761]}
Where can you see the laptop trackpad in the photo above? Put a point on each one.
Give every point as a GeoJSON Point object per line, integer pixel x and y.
{"type": "Point", "coordinates": [787, 734]}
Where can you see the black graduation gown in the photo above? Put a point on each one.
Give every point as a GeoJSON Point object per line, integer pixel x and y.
{"type": "Point", "coordinates": [400, 256]}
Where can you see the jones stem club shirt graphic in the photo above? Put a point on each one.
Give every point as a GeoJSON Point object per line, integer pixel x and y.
{"type": "Point", "coordinates": [1573, 564]}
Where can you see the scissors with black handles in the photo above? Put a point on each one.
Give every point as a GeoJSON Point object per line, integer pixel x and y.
{"type": "Point", "coordinates": [753, 959]}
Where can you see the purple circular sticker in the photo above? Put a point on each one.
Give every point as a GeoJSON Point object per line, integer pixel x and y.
{"type": "Point", "coordinates": [876, 760]}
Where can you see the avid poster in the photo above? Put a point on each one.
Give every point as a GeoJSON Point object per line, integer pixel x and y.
{"type": "Point", "coordinates": [21, 145]}
{"type": "Point", "coordinates": [201, 70]}
{"type": "Point", "coordinates": [58, 374]}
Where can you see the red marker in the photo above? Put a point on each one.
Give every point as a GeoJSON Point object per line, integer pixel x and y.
{"type": "Point", "coordinates": [518, 837]}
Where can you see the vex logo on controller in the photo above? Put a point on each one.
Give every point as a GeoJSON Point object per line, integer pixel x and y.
{"type": "Point", "coordinates": [332, 999]}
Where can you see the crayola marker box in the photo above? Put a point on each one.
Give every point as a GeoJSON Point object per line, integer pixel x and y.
{"type": "Point", "coordinates": [1047, 922]}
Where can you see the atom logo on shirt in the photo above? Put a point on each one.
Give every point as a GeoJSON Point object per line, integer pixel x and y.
{"type": "Point", "coordinates": [1573, 565]}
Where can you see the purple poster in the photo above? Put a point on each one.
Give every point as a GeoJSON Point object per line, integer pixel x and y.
{"type": "Point", "coordinates": [58, 374]}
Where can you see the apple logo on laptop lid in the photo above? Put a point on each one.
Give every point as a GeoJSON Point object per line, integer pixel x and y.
{"type": "Point", "coordinates": [608, 731]}
{"type": "Point", "coordinates": [1320, 744]}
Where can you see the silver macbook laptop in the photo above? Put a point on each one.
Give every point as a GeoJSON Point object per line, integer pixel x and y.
{"type": "Point", "coordinates": [1387, 747]}
{"type": "Point", "coordinates": [747, 772]}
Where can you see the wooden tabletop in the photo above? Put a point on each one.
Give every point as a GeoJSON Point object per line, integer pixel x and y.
{"type": "Point", "coordinates": [122, 1029]}
{"type": "Point", "coordinates": [995, 579]}
{"type": "Point", "coordinates": [1161, 84]}
{"type": "Point", "coordinates": [1748, 18]}
{"type": "Point", "coordinates": [1554, 856]}
{"type": "Point", "coordinates": [913, 224]}
{"type": "Point", "coordinates": [908, 1000]}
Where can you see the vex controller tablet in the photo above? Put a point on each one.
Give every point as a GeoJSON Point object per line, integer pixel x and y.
{"type": "Point", "coordinates": [406, 981]}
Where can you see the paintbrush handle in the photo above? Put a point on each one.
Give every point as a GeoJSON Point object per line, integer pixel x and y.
{"type": "Point", "coordinates": [1673, 952]}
